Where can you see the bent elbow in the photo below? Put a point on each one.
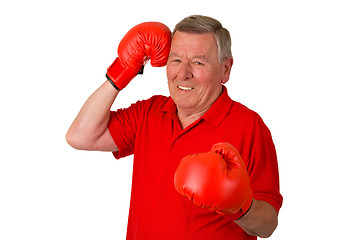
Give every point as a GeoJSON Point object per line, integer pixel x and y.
{"type": "Point", "coordinates": [70, 139]}
{"type": "Point", "coordinates": [75, 141]}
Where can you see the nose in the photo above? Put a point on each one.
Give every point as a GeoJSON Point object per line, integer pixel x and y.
{"type": "Point", "coordinates": [185, 71]}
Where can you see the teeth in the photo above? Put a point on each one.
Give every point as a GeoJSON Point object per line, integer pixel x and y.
{"type": "Point", "coordinates": [184, 88]}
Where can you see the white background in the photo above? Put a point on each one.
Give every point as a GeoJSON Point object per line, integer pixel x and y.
{"type": "Point", "coordinates": [296, 63]}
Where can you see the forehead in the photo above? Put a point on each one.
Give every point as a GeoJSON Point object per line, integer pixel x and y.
{"type": "Point", "coordinates": [193, 43]}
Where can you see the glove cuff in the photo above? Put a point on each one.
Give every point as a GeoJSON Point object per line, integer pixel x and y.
{"type": "Point", "coordinates": [112, 83]}
{"type": "Point", "coordinates": [243, 210]}
{"type": "Point", "coordinates": [118, 75]}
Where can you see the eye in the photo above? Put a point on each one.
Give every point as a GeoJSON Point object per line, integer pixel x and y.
{"type": "Point", "coordinates": [198, 63]}
{"type": "Point", "coordinates": [175, 60]}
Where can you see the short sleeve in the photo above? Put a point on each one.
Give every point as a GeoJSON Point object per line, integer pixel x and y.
{"type": "Point", "coordinates": [122, 126]}
{"type": "Point", "coordinates": [263, 167]}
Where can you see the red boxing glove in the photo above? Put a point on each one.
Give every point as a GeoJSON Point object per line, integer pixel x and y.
{"type": "Point", "coordinates": [217, 180]}
{"type": "Point", "coordinates": [149, 40]}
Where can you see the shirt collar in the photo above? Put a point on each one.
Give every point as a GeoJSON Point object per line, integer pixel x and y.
{"type": "Point", "coordinates": [170, 108]}
{"type": "Point", "coordinates": [219, 109]}
{"type": "Point", "coordinates": [214, 115]}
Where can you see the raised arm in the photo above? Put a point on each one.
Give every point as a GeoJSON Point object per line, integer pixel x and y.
{"type": "Point", "coordinates": [149, 40]}
{"type": "Point", "coordinates": [89, 129]}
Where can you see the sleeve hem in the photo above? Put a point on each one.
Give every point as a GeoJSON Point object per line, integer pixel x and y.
{"type": "Point", "coordinates": [276, 204]}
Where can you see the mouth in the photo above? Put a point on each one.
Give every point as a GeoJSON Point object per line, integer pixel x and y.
{"type": "Point", "coordinates": [184, 88]}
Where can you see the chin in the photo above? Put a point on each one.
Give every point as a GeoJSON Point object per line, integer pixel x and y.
{"type": "Point", "coordinates": [180, 102]}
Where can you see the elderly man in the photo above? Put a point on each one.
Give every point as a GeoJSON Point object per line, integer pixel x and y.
{"type": "Point", "coordinates": [205, 166]}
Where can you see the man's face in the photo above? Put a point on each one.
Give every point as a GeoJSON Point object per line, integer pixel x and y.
{"type": "Point", "coordinates": [195, 75]}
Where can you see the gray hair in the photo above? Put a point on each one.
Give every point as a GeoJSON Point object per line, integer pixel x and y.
{"type": "Point", "coordinates": [203, 24]}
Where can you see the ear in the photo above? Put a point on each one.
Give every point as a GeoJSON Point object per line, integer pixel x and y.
{"type": "Point", "coordinates": [227, 64]}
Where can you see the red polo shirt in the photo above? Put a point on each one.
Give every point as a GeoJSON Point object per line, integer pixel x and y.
{"type": "Point", "coordinates": [151, 130]}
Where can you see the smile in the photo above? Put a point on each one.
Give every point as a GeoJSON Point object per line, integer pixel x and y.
{"type": "Point", "coordinates": [184, 88]}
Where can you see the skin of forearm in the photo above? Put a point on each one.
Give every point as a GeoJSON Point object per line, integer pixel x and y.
{"type": "Point", "coordinates": [92, 120]}
{"type": "Point", "coordinates": [261, 220]}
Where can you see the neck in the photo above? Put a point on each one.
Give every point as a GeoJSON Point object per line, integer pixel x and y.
{"type": "Point", "coordinates": [187, 118]}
